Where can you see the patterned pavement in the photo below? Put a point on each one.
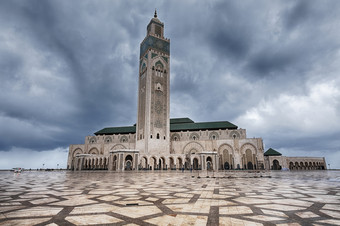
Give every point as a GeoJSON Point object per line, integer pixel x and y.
{"type": "Point", "coordinates": [170, 198]}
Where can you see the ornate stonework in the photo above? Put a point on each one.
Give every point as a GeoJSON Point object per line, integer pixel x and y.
{"type": "Point", "coordinates": [155, 143]}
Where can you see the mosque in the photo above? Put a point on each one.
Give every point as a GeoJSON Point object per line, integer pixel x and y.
{"type": "Point", "coordinates": [157, 142]}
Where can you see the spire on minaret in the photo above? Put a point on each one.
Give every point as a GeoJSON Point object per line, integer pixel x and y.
{"type": "Point", "coordinates": [155, 14]}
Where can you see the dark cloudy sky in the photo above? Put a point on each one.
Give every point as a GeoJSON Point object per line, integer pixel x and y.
{"type": "Point", "coordinates": [70, 68]}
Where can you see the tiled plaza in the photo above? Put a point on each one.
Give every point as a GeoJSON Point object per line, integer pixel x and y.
{"type": "Point", "coordinates": [170, 198]}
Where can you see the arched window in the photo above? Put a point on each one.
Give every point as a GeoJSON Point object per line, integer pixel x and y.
{"type": "Point", "coordinates": [157, 135]}
{"type": "Point", "coordinates": [159, 68]}
{"type": "Point", "coordinates": [194, 136]}
{"type": "Point", "coordinates": [108, 139]}
{"type": "Point", "coordinates": [175, 137]}
{"type": "Point", "coordinates": [124, 139]}
{"type": "Point", "coordinates": [213, 136]}
{"type": "Point", "coordinates": [93, 140]}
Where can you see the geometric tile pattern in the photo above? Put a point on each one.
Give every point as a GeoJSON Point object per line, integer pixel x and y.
{"type": "Point", "coordinates": [170, 198]}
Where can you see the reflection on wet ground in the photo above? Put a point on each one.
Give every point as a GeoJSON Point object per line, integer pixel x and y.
{"type": "Point", "coordinates": [170, 198]}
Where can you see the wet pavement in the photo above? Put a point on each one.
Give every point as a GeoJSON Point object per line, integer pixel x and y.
{"type": "Point", "coordinates": [170, 198]}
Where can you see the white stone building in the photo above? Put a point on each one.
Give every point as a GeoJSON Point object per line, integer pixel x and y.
{"type": "Point", "coordinates": [157, 142]}
{"type": "Point", "coordinates": [275, 161]}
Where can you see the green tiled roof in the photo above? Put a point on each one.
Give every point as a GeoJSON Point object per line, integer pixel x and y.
{"type": "Point", "coordinates": [116, 130]}
{"type": "Point", "coordinates": [202, 126]}
{"type": "Point", "coordinates": [272, 152]}
{"type": "Point", "coordinates": [180, 120]}
{"type": "Point", "coordinates": [176, 124]}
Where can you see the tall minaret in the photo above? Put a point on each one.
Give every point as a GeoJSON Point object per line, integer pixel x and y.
{"type": "Point", "coordinates": [153, 123]}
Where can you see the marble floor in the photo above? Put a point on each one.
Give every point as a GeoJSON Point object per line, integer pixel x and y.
{"type": "Point", "coordinates": [170, 198]}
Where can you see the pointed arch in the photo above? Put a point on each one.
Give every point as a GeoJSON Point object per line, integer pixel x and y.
{"type": "Point", "coordinates": [93, 140]}
{"type": "Point", "coordinates": [249, 146]}
{"type": "Point", "coordinates": [77, 151]}
{"type": "Point", "coordinates": [118, 146]}
{"type": "Point", "coordinates": [227, 147]}
{"type": "Point", "coordinates": [213, 136]}
{"type": "Point", "coordinates": [94, 151]}
{"type": "Point", "coordinates": [193, 145]}
{"type": "Point", "coordinates": [159, 62]}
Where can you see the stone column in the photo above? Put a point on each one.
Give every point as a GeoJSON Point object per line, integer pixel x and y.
{"type": "Point", "coordinates": [119, 162]}
{"type": "Point", "coordinates": [217, 162]}
{"type": "Point", "coordinates": [110, 163]}
{"type": "Point", "coordinates": [123, 162]}
{"type": "Point", "coordinates": [81, 163]}
{"type": "Point", "coordinates": [136, 162]}
{"type": "Point", "coordinates": [203, 163]}
{"type": "Point", "coordinates": [214, 161]}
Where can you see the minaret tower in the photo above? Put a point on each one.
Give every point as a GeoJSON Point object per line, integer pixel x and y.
{"type": "Point", "coordinates": [153, 123]}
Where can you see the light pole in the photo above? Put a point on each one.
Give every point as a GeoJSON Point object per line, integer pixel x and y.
{"type": "Point", "coordinates": [329, 166]}
{"type": "Point", "coordinates": [57, 165]}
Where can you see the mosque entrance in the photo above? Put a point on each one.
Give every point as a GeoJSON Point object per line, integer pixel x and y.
{"type": "Point", "coordinates": [128, 165]}
{"type": "Point", "coordinates": [226, 166]}
{"type": "Point", "coordinates": [209, 164]}
{"type": "Point", "coordinates": [159, 164]}
{"type": "Point", "coordinates": [250, 166]}
{"type": "Point", "coordinates": [276, 165]}
{"type": "Point", "coordinates": [128, 162]}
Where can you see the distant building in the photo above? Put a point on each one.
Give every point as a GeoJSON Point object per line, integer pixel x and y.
{"type": "Point", "coordinates": [275, 161]}
{"type": "Point", "coordinates": [157, 142]}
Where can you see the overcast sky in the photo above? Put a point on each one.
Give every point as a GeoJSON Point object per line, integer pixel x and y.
{"type": "Point", "coordinates": [70, 68]}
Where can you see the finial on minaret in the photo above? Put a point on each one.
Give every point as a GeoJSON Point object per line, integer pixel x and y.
{"type": "Point", "coordinates": [155, 14]}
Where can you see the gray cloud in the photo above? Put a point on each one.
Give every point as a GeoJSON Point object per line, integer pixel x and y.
{"type": "Point", "coordinates": [69, 68]}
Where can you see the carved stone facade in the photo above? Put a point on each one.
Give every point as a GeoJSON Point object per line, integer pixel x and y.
{"type": "Point", "coordinates": [157, 142]}
{"type": "Point", "coordinates": [198, 150]}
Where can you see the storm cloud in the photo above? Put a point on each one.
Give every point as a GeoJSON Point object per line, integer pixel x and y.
{"type": "Point", "coordinates": [70, 68]}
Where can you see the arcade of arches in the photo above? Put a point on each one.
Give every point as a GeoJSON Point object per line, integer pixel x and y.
{"type": "Point", "coordinates": [223, 159]}
{"type": "Point", "coordinates": [295, 163]}
{"type": "Point", "coordinates": [157, 142]}
{"type": "Point", "coordinates": [194, 158]}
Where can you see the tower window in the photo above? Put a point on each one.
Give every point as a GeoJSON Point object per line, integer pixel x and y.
{"type": "Point", "coordinates": [157, 135]}
{"type": "Point", "coordinates": [151, 136]}
{"type": "Point", "coordinates": [158, 30]}
{"type": "Point", "coordinates": [164, 137]}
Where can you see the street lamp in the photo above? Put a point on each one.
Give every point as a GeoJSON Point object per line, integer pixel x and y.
{"type": "Point", "coordinates": [329, 166]}
{"type": "Point", "coordinates": [57, 165]}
